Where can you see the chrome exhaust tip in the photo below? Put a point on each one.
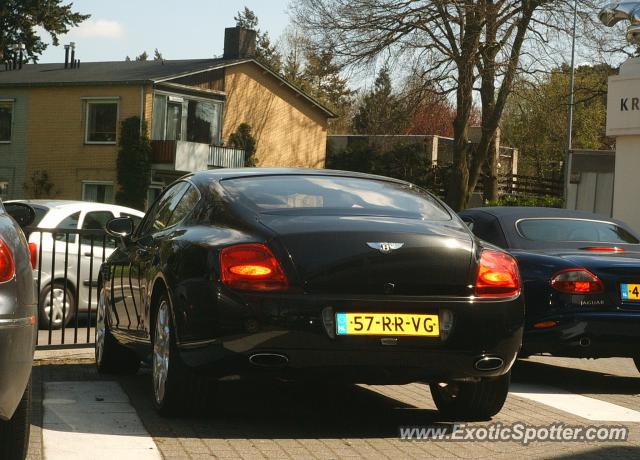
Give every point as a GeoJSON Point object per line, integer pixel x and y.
{"type": "Point", "coordinates": [268, 360]}
{"type": "Point", "coordinates": [489, 363]}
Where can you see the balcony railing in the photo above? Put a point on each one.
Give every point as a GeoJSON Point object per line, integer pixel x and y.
{"type": "Point", "coordinates": [225, 157]}
{"type": "Point", "coordinates": [191, 156]}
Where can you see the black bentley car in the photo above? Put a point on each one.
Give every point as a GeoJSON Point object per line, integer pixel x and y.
{"type": "Point", "coordinates": [581, 278]}
{"type": "Point", "coordinates": [308, 274]}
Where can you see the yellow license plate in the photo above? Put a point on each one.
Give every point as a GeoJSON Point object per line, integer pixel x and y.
{"type": "Point", "coordinates": [630, 291]}
{"type": "Point", "coordinates": [387, 324]}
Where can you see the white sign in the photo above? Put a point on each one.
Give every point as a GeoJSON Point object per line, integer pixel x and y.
{"type": "Point", "coordinates": [623, 106]}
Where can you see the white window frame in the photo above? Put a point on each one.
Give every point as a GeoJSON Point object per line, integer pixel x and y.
{"type": "Point", "coordinates": [98, 182]}
{"type": "Point", "coordinates": [185, 98]}
{"type": "Point", "coordinates": [100, 100]}
{"type": "Point", "coordinates": [13, 110]}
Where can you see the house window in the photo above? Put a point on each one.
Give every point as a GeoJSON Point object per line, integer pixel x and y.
{"type": "Point", "coordinates": [4, 189]}
{"type": "Point", "coordinates": [100, 192]}
{"type": "Point", "coordinates": [102, 121]}
{"type": "Point", "coordinates": [203, 122]}
{"type": "Point", "coordinates": [186, 118]}
{"type": "Point", "coordinates": [6, 120]}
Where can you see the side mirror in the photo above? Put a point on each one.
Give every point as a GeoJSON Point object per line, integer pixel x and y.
{"type": "Point", "coordinates": [22, 213]}
{"type": "Point", "coordinates": [120, 227]}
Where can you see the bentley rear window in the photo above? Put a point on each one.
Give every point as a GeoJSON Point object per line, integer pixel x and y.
{"type": "Point", "coordinates": [333, 194]}
{"type": "Point", "coordinates": [574, 230]}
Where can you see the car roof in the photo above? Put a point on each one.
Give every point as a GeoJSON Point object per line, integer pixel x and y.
{"type": "Point", "coordinates": [508, 216]}
{"type": "Point", "coordinates": [519, 212]}
{"type": "Point", "coordinates": [234, 173]}
{"type": "Point", "coordinates": [77, 205]}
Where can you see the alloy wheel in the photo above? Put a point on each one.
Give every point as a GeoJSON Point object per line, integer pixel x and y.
{"type": "Point", "coordinates": [161, 351]}
{"type": "Point", "coordinates": [57, 308]}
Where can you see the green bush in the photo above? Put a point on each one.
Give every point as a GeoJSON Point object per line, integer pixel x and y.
{"type": "Point", "coordinates": [546, 201]}
{"type": "Point", "coordinates": [133, 165]}
{"type": "Point", "coordinates": [243, 139]}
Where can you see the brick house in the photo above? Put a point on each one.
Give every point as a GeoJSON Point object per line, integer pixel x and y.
{"type": "Point", "coordinates": [64, 119]}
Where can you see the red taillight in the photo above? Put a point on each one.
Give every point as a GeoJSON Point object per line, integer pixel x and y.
{"type": "Point", "coordinates": [33, 254]}
{"type": "Point", "coordinates": [603, 249]}
{"type": "Point", "coordinates": [577, 281]}
{"type": "Point", "coordinates": [251, 267]}
{"type": "Point", "coordinates": [498, 275]}
{"type": "Point", "coordinates": [7, 266]}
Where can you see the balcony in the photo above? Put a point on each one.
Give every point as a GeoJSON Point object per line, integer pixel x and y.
{"type": "Point", "coordinates": [191, 156]}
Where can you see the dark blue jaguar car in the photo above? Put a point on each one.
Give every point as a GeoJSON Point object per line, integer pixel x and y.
{"type": "Point", "coordinates": [581, 278]}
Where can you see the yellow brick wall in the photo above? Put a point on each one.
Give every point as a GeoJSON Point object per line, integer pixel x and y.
{"type": "Point", "coordinates": [290, 131]}
{"type": "Point", "coordinates": [56, 134]}
{"type": "Point", "coordinates": [148, 107]}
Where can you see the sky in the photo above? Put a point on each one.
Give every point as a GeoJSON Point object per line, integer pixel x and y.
{"type": "Point", "coordinates": [180, 29]}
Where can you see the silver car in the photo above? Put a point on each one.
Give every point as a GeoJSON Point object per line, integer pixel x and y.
{"type": "Point", "coordinates": [17, 333]}
{"type": "Point", "coordinates": [77, 260]}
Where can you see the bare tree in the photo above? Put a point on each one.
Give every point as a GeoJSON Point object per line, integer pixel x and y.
{"type": "Point", "coordinates": [467, 48]}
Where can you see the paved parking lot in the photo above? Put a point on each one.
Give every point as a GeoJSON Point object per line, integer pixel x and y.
{"type": "Point", "coordinates": [322, 421]}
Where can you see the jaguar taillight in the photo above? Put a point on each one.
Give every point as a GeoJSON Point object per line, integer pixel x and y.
{"type": "Point", "coordinates": [498, 275]}
{"type": "Point", "coordinates": [252, 267]}
{"type": "Point", "coordinates": [7, 265]}
{"type": "Point", "coordinates": [577, 281]}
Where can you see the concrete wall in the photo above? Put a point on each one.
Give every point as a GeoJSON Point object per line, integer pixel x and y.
{"type": "Point", "coordinates": [13, 154]}
{"type": "Point", "coordinates": [591, 182]}
{"type": "Point", "coordinates": [290, 131]}
{"type": "Point", "coordinates": [56, 140]}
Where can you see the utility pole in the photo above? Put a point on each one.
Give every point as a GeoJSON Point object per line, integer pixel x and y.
{"type": "Point", "coordinates": [572, 77]}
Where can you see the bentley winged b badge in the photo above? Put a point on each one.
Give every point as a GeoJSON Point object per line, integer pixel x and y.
{"type": "Point", "coordinates": [385, 247]}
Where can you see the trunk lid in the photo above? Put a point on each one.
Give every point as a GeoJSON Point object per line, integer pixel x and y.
{"type": "Point", "coordinates": [614, 269]}
{"type": "Point", "coordinates": [342, 254]}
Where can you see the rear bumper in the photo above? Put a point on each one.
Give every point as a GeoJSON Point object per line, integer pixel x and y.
{"type": "Point", "coordinates": [587, 334]}
{"type": "Point", "coordinates": [17, 339]}
{"type": "Point", "coordinates": [301, 332]}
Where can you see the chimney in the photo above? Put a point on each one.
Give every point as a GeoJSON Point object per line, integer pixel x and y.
{"type": "Point", "coordinates": [239, 43]}
{"type": "Point", "coordinates": [66, 56]}
{"type": "Point", "coordinates": [73, 54]}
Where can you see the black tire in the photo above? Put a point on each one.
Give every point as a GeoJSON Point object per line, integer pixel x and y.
{"type": "Point", "coordinates": [45, 299]}
{"type": "Point", "coordinates": [113, 358]}
{"type": "Point", "coordinates": [471, 401]}
{"type": "Point", "coordinates": [14, 434]}
{"type": "Point", "coordinates": [184, 392]}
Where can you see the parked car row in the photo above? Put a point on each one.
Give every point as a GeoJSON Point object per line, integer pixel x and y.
{"type": "Point", "coordinates": [318, 275]}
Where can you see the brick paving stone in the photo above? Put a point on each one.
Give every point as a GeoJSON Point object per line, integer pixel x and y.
{"type": "Point", "coordinates": [281, 421]}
